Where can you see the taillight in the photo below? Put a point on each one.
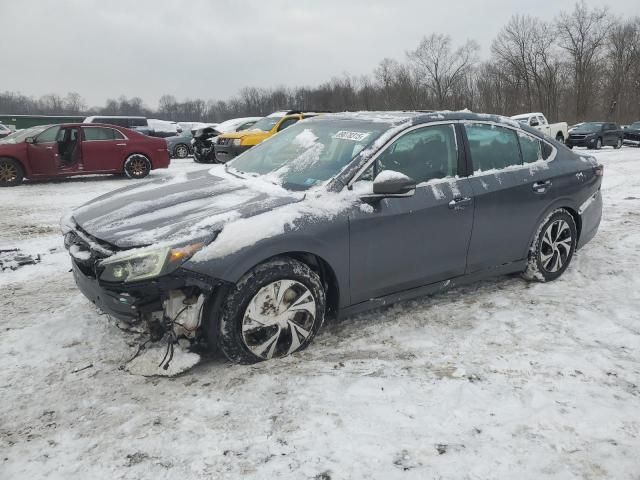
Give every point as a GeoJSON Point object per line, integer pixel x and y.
{"type": "Point", "coordinates": [598, 170]}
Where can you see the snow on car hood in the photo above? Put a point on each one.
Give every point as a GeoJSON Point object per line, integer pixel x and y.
{"type": "Point", "coordinates": [178, 209]}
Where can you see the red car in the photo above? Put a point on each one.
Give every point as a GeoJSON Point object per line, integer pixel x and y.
{"type": "Point", "coordinates": [49, 151]}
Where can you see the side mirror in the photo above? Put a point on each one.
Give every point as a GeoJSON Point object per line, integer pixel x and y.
{"type": "Point", "coordinates": [534, 123]}
{"type": "Point", "coordinates": [30, 140]}
{"type": "Point", "coordinates": [390, 183]}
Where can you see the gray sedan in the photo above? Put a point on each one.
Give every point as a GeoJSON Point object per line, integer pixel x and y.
{"type": "Point", "coordinates": [179, 146]}
{"type": "Point", "coordinates": [332, 216]}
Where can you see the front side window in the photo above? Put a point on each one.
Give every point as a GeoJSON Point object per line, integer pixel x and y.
{"type": "Point", "coordinates": [48, 136]}
{"type": "Point", "coordinates": [424, 154]}
{"type": "Point", "coordinates": [101, 133]}
{"type": "Point", "coordinates": [492, 147]}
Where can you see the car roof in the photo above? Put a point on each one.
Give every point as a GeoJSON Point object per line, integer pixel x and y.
{"type": "Point", "coordinates": [418, 116]}
{"type": "Point", "coordinates": [527, 115]}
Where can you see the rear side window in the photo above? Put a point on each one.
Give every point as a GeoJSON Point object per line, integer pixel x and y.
{"type": "Point", "coordinates": [424, 154]}
{"type": "Point", "coordinates": [531, 148]}
{"type": "Point", "coordinates": [101, 133]}
{"type": "Point", "coordinates": [492, 147]}
{"type": "Point", "coordinates": [136, 122]}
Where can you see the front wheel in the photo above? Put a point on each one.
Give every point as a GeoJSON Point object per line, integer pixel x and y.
{"type": "Point", "coordinates": [11, 172]}
{"type": "Point", "coordinates": [618, 144]}
{"type": "Point", "coordinates": [273, 311]}
{"type": "Point", "coordinates": [560, 137]}
{"type": "Point", "coordinates": [598, 144]}
{"type": "Point", "coordinates": [552, 248]}
{"type": "Point", "coordinates": [137, 166]}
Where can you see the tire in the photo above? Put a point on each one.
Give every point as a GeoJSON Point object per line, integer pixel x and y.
{"type": "Point", "coordinates": [560, 137]}
{"type": "Point", "coordinates": [137, 166]}
{"type": "Point", "coordinates": [570, 147]}
{"type": "Point", "coordinates": [552, 248]}
{"type": "Point", "coordinates": [618, 144]}
{"type": "Point", "coordinates": [598, 143]}
{"type": "Point", "coordinates": [181, 151]}
{"type": "Point", "coordinates": [245, 340]}
{"type": "Point", "coordinates": [11, 172]}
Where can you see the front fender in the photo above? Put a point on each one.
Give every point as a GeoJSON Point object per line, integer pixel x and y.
{"type": "Point", "coordinates": [330, 243]}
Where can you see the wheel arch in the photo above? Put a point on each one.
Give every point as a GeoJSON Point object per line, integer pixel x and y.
{"type": "Point", "coordinates": [137, 152]}
{"type": "Point", "coordinates": [562, 203]}
{"type": "Point", "coordinates": [25, 170]}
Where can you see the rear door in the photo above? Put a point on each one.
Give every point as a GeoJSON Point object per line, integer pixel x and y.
{"type": "Point", "coordinates": [103, 149]}
{"type": "Point", "coordinates": [43, 153]}
{"type": "Point", "coordinates": [511, 191]}
{"type": "Point", "coordinates": [403, 243]}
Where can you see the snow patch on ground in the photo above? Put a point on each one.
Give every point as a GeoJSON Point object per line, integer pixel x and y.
{"type": "Point", "coordinates": [501, 379]}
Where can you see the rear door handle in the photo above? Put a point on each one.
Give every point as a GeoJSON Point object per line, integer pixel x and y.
{"type": "Point", "coordinates": [121, 144]}
{"type": "Point", "coordinates": [459, 203]}
{"type": "Point", "coordinates": [541, 187]}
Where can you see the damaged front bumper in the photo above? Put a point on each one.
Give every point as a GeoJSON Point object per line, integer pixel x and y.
{"type": "Point", "coordinates": [174, 302]}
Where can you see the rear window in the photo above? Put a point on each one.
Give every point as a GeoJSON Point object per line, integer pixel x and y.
{"type": "Point", "coordinates": [492, 147]}
{"type": "Point", "coordinates": [137, 122]}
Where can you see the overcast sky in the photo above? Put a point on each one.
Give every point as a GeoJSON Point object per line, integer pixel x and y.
{"type": "Point", "coordinates": [210, 49]}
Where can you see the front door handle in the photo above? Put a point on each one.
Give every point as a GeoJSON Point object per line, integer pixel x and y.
{"type": "Point", "coordinates": [459, 203]}
{"type": "Point", "coordinates": [541, 187]}
{"type": "Point", "coordinates": [121, 144]}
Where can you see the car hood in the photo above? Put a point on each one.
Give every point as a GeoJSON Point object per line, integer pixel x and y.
{"type": "Point", "coordinates": [177, 209]}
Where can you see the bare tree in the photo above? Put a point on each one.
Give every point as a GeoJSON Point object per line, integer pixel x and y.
{"type": "Point", "coordinates": [582, 34]}
{"type": "Point", "coordinates": [440, 67]}
{"type": "Point", "coordinates": [623, 54]}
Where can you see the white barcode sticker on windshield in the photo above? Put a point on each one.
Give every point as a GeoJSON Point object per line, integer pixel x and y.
{"type": "Point", "coordinates": [355, 136]}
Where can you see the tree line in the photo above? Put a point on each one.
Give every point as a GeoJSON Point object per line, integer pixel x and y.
{"type": "Point", "coordinates": [583, 65]}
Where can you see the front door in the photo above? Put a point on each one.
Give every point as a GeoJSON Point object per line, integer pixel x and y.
{"type": "Point", "coordinates": [43, 152]}
{"type": "Point", "coordinates": [403, 243]}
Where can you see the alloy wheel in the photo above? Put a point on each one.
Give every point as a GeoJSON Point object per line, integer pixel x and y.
{"type": "Point", "coordinates": [137, 166]}
{"type": "Point", "coordinates": [556, 246]}
{"type": "Point", "coordinates": [181, 151]}
{"type": "Point", "coordinates": [8, 172]}
{"type": "Point", "coordinates": [278, 319]}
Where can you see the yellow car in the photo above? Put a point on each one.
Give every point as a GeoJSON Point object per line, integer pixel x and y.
{"type": "Point", "coordinates": [230, 145]}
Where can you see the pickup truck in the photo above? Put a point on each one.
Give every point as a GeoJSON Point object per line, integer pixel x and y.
{"type": "Point", "coordinates": [559, 131]}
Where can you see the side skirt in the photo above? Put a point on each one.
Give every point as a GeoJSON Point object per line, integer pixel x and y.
{"type": "Point", "coordinates": [432, 288]}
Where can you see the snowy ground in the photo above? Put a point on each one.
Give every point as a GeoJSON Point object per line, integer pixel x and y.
{"type": "Point", "coordinates": [503, 379]}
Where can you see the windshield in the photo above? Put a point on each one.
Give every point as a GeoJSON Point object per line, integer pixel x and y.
{"type": "Point", "coordinates": [524, 121]}
{"type": "Point", "coordinates": [308, 153]}
{"type": "Point", "coordinates": [589, 127]}
{"type": "Point", "coordinates": [265, 124]}
{"type": "Point", "coordinates": [635, 125]}
{"type": "Point", "coordinates": [18, 137]}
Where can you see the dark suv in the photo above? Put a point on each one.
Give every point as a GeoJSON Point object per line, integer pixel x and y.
{"type": "Point", "coordinates": [595, 135]}
{"type": "Point", "coordinates": [333, 215]}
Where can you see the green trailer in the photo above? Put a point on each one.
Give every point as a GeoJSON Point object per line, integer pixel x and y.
{"type": "Point", "coordinates": [18, 122]}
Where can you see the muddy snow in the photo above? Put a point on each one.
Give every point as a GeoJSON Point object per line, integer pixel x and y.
{"type": "Point", "coordinates": [502, 379]}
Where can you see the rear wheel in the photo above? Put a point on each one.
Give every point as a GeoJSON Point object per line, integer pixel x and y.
{"type": "Point", "coordinates": [618, 144]}
{"type": "Point", "coordinates": [273, 311]}
{"type": "Point", "coordinates": [137, 166]}
{"type": "Point", "coordinates": [11, 172]}
{"type": "Point", "coordinates": [181, 151]}
{"type": "Point", "coordinates": [553, 247]}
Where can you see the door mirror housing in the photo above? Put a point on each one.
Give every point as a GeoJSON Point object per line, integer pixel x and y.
{"type": "Point", "coordinates": [30, 140]}
{"type": "Point", "coordinates": [534, 123]}
{"type": "Point", "coordinates": [390, 183]}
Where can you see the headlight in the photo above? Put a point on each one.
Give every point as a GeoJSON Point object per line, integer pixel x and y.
{"type": "Point", "coordinates": [146, 263]}
{"type": "Point", "coordinates": [235, 142]}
